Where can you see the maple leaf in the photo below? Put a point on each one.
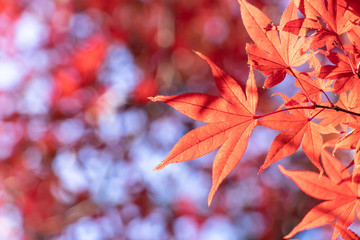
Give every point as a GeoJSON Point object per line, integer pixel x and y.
{"type": "Point", "coordinates": [231, 121]}
{"type": "Point", "coordinates": [275, 52]}
{"type": "Point", "coordinates": [343, 70]}
{"type": "Point", "coordinates": [335, 13]}
{"type": "Point", "coordinates": [297, 127]}
{"type": "Point", "coordinates": [351, 141]}
{"type": "Point", "coordinates": [314, 88]}
{"type": "Point", "coordinates": [348, 102]}
{"type": "Point", "coordinates": [348, 141]}
{"type": "Point", "coordinates": [341, 195]}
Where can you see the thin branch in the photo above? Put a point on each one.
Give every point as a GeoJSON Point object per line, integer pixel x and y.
{"type": "Point", "coordinates": [314, 106]}
{"type": "Point", "coordinates": [338, 109]}
{"type": "Point", "coordinates": [316, 114]}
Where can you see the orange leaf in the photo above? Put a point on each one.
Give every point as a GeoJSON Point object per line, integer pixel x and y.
{"type": "Point", "coordinates": [342, 199]}
{"type": "Point", "coordinates": [335, 13]}
{"type": "Point", "coordinates": [341, 71]}
{"type": "Point", "coordinates": [231, 119]}
{"type": "Point", "coordinates": [300, 128]}
{"type": "Point", "coordinates": [322, 214]}
{"type": "Point", "coordinates": [275, 52]}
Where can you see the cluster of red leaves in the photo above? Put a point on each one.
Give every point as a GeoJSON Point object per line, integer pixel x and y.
{"type": "Point", "coordinates": [330, 29]}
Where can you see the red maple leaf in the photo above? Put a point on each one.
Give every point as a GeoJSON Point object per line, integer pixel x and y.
{"type": "Point", "coordinates": [231, 121]}
{"type": "Point", "coordinates": [303, 119]}
{"type": "Point", "coordinates": [297, 127]}
{"type": "Point", "coordinates": [339, 190]}
{"type": "Point", "coordinates": [335, 13]}
{"type": "Point", "coordinates": [313, 88]}
{"type": "Point", "coordinates": [344, 70]}
{"type": "Point", "coordinates": [347, 101]}
{"type": "Point", "coordinates": [275, 52]}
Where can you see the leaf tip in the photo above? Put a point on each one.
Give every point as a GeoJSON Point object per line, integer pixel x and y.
{"type": "Point", "coordinates": [201, 55]}
{"type": "Point", "coordinates": [262, 168]}
{"type": "Point", "coordinates": [212, 193]}
{"type": "Point", "coordinates": [210, 198]}
{"type": "Point", "coordinates": [281, 168]}
{"type": "Point", "coordinates": [158, 167]}
{"type": "Point", "coordinates": [209, 201]}
{"type": "Point", "coordinates": [196, 52]}
{"type": "Point", "coordinates": [288, 236]}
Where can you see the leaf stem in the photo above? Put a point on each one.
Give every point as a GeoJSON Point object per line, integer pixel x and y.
{"type": "Point", "coordinates": [316, 114]}
{"type": "Point", "coordinates": [302, 86]}
{"type": "Point", "coordinates": [306, 94]}
{"type": "Point", "coordinates": [340, 45]}
{"type": "Point", "coordinates": [332, 104]}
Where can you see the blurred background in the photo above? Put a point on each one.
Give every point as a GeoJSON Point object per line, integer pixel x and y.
{"type": "Point", "coordinates": [79, 139]}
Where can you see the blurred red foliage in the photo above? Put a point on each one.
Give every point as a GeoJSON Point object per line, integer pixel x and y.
{"type": "Point", "coordinates": [76, 130]}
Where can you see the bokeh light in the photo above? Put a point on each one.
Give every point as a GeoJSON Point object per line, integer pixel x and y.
{"type": "Point", "coordinates": [79, 139]}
